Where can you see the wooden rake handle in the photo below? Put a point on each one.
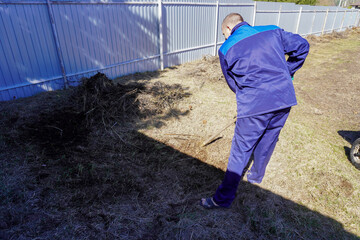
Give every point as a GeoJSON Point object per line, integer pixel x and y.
{"type": "Point", "coordinates": [213, 137]}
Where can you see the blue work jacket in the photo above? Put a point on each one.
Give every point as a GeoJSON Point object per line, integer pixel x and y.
{"type": "Point", "coordinates": [253, 62]}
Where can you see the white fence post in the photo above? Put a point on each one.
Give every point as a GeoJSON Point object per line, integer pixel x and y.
{"type": "Point", "coordinates": [342, 21]}
{"type": "Point", "coordinates": [326, 16]}
{"type": "Point", "coordinates": [313, 22]}
{"type": "Point", "coordinates": [333, 25]}
{"type": "Point", "coordinates": [58, 47]}
{"type": "Point", "coordinates": [278, 20]}
{"type": "Point", "coordinates": [216, 26]}
{"type": "Point", "coordinates": [298, 21]}
{"type": "Point", "coordinates": [161, 43]}
{"type": "Point", "coordinates": [254, 14]}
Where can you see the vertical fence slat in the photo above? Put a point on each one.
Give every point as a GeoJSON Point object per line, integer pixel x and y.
{"type": "Point", "coordinates": [333, 25]}
{"type": "Point", "coordinates": [161, 44]}
{"type": "Point", "coordinates": [56, 39]}
{"type": "Point", "coordinates": [342, 21]}
{"type": "Point", "coordinates": [216, 26]}
{"type": "Point", "coordinates": [254, 14]}
{"type": "Point", "coordinates": [313, 23]}
{"type": "Point", "coordinates": [298, 21]}
{"type": "Point", "coordinates": [326, 16]}
{"type": "Point", "coordinates": [279, 15]}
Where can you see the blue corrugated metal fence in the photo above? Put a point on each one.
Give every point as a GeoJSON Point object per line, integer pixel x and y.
{"type": "Point", "coordinates": [47, 45]}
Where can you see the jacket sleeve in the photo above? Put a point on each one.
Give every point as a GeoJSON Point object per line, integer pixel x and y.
{"type": "Point", "coordinates": [230, 81]}
{"type": "Point", "coordinates": [297, 48]}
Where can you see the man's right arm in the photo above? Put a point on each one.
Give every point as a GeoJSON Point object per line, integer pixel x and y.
{"type": "Point", "coordinates": [297, 48]}
{"type": "Point", "coordinates": [224, 67]}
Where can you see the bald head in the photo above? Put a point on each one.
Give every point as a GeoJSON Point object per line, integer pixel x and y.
{"type": "Point", "coordinates": [229, 22]}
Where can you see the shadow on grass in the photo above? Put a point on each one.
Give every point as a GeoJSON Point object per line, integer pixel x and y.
{"type": "Point", "coordinates": [113, 182]}
{"type": "Point", "coordinates": [349, 136]}
{"type": "Point", "coordinates": [150, 194]}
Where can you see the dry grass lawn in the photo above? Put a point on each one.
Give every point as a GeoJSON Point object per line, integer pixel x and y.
{"type": "Point", "coordinates": [125, 161]}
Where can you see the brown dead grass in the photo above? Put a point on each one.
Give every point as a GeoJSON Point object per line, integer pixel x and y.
{"type": "Point", "coordinates": [107, 161]}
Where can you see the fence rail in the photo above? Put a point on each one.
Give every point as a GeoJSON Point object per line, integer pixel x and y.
{"type": "Point", "coordinates": [48, 45]}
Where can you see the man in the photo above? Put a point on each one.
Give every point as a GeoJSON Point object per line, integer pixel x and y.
{"type": "Point", "coordinates": [254, 65]}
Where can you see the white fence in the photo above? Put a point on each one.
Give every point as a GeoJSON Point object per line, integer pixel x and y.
{"type": "Point", "coordinates": [47, 45]}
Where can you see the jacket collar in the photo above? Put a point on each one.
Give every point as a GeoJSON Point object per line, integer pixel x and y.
{"type": "Point", "coordinates": [238, 26]}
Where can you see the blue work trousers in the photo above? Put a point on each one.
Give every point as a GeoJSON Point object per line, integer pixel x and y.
{"type": "Point", "coordinates": [253, 135]}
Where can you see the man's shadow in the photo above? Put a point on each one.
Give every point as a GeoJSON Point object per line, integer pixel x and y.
{"type": "Point", "coordinates": [256, 213]}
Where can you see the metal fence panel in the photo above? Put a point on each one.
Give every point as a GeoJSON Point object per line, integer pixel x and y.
{"type": "Point", "coordinates": [27, 51]}
{"type": "Point", "coordinates": [94, 37]}
{"type": "Point", "coordinates": [246, 9]}
{"type": "Point", "coordinates": [338, 19]}
{"type": "Point", "coordinates": [306, 20]}
{"type": "Point", "coordinates": [327, 27]}
{"type": "Point", "coordinates": [267, 13]}
{"type": "Point", "coordinates": [349, 21]}
{"type": "Point", "coordinates": [342, 20]}
{"type": "Point", "coordinates": [289, 17]}
{"type": "Point", "coordinates": [119, 37]}
{"type": "Point", "coordinates": [187, 27]}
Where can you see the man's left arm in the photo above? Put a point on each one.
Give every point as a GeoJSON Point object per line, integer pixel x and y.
{"type": "Point", "coordinates": [229, 80]}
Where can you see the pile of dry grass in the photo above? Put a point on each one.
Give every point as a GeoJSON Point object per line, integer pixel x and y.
{"type": "Point", "coordinates": [102, 101]}
{"type": "Point", "coordinates": [313, 39]}
{"type": "Point", "coordinates": [78, 148]}
{"type": "Point", "coordinates": [204, 70]}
